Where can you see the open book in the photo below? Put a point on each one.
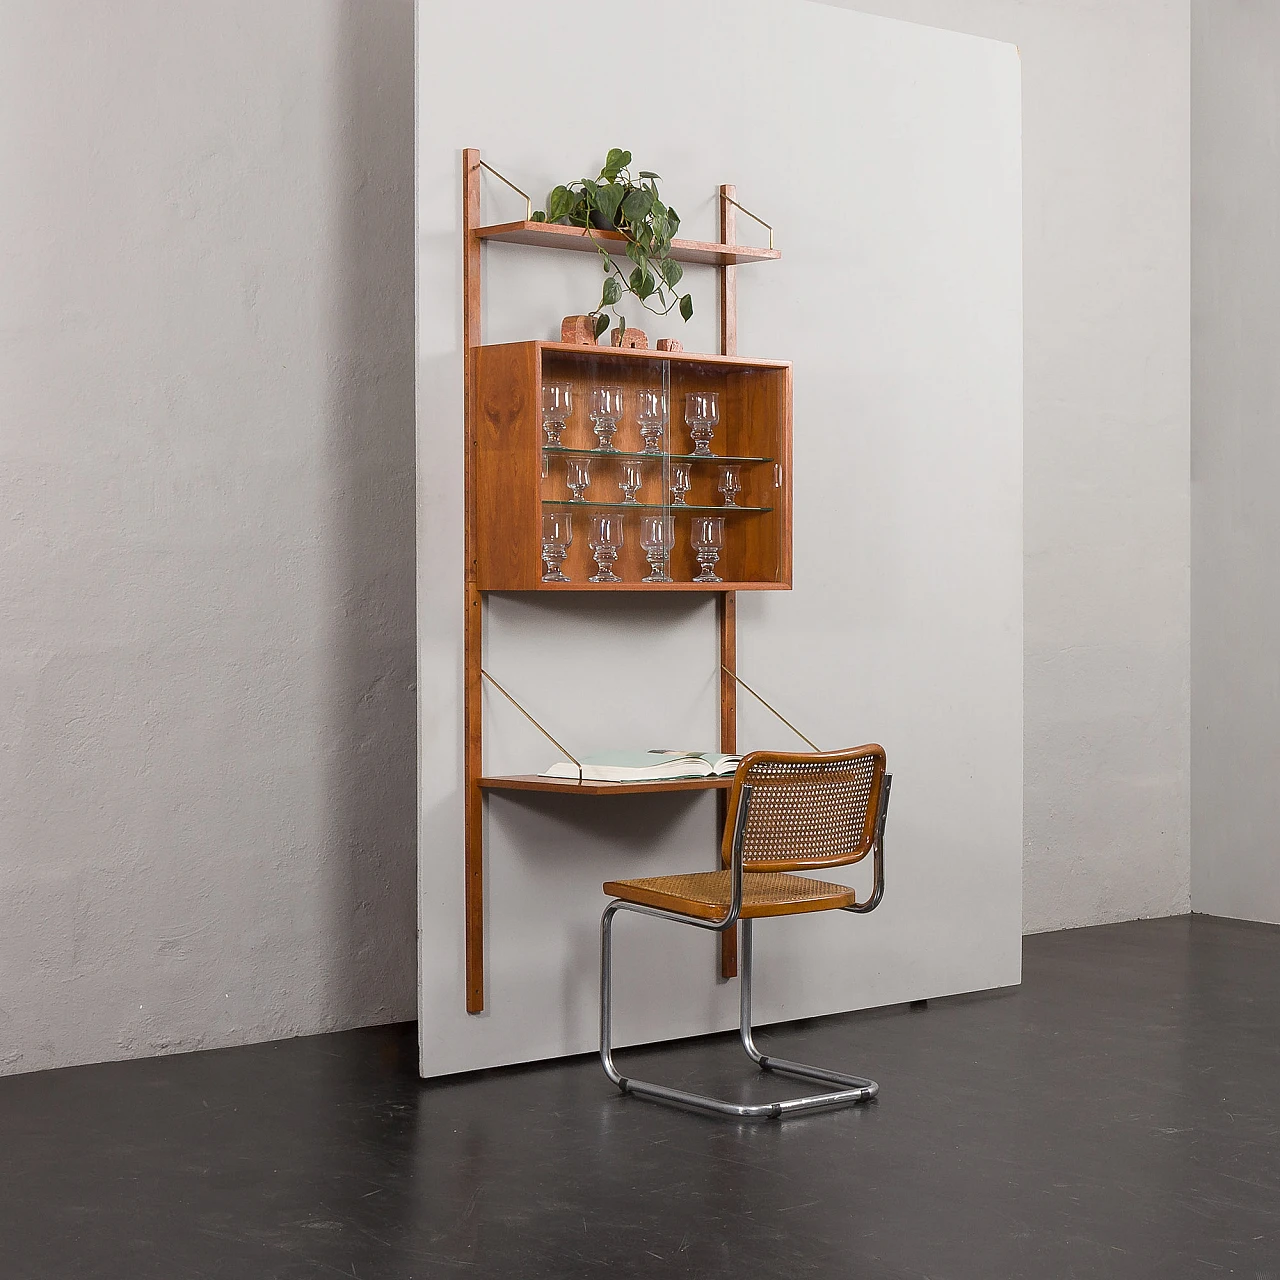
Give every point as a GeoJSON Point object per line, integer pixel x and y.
{"type": "Point", "coordinates": [646, 766]}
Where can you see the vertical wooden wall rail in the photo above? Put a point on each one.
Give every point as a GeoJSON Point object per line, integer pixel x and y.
{"type": "Point", "coordinates": [473, 628]}
{"type": "Point", "coordinates": [727, 610]}
{"type": "Point", "coordinates": [728, 600]}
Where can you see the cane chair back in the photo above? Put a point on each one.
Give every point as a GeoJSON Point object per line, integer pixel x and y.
{"type": "Point", "coordinates": [810, 809]}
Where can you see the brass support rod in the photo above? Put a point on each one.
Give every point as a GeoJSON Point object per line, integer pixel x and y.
{"type": "Point", "coordinates": [536, 725]}
{"type": "Point", "coordinates": [528, 204]}
{"type": "Point", "coordinates": [775, 711]}
{"type": "Point", "coordinates": [755, 217]}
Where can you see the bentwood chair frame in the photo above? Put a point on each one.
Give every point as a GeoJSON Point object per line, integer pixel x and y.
{"type": "Point", "coordinates": [787, 812]}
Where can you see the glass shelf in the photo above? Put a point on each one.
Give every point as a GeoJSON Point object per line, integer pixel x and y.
{"type": "Point", "coordinates": [672, 508]}
{"type": "Point", "coordinates": [652, 457]}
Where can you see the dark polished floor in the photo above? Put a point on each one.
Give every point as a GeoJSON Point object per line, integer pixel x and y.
{"type": "Point", "coordinates": [1119, 1116]}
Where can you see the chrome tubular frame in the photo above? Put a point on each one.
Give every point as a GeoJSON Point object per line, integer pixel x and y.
{"type": "Point", "coordinates": [877, 853]}
{"type": "Point", "coordinates": [852, 1089]}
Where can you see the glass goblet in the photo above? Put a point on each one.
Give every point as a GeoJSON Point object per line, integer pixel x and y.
{"type": "Point", "coordinates": [651, 416]}
{"type": "Point", "coordinates": [708, 538]}
{"type": "Point", "coordinates": [631, 478]}
{"type": "Point", "coordinates": [577, 474]}
{"type": "Point", "coordinates": [557, 538]}
{"type": "Point", "coordinates": [701, 414]}
{"type": "Point", "coordinates": [681, 478]}
{"type": "Point", "coordinates": [730, 485]}
{"type": "Point", "coordinates": [606, 409]}
{"type": "Point", "coordinates": [606, 541]}
{"type": "Point", "coordinates": [557, 404]}
{"type": "Point", "coordinates": [657, 537]}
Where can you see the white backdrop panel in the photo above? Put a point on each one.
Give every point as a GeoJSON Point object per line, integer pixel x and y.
{"type": "Point", "coordinates": [888, 157]}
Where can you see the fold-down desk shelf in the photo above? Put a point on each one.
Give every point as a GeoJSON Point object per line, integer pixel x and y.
{"type": "Point", "coordinates": [566, 786]}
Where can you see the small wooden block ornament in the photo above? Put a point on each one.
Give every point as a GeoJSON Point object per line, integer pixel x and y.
{"type": "Point", "coordinates": [580, 330]}
{"type": "Point", "coordinates": [635, 339]}
{"type": "Point", "coordinates": [670, 344]}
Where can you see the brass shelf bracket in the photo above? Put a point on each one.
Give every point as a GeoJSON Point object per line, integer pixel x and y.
{"type": "Point", "coordinates": [767, 707]}
{"type": "Point", "coordinates": [755, 217]}
{"type": "Point", "coordinates": [528, 204]}
{"type": "Point", "coordinates": [558, 745]}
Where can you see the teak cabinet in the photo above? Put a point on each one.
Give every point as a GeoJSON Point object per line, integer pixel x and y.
{"type": "Point", "coordinates": [512, 479]}
{"type": "Point", "coordinates": [518, 477]}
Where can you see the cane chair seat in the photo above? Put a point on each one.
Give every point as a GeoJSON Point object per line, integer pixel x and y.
{"type": "Point", "coordinates": [706, 895]}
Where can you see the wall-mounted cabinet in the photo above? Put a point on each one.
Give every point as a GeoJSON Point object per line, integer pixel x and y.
{"type": "Point", "coordinates": [642, 465]}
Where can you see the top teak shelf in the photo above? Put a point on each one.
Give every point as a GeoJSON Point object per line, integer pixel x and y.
{"type": "Point", "coordinates": [551, 235]}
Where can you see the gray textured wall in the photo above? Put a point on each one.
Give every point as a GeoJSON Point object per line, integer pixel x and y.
{"type": "Point", "coordinates": [1235, 621]}
{"type": "Point", "coordinates": [206, 523]}
{"type": "Point", "coordinates": [1106, 159]}
{"type": "Point", "coordinates": [206, 736]}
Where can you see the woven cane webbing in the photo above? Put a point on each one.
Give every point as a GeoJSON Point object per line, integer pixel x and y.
{"type": "Point", "coordinates": [706, 894]}
{"type": "Point", "coordinates": [807, 812]}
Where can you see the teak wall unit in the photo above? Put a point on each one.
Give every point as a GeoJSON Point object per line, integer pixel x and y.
{"type": "Point", "coordinates": [511, 478]}
{"type": "Point", "coordinates": [518, 477]}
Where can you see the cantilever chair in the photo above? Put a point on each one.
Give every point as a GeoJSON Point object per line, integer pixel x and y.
{"type": "Point", "coordinates": [787, 812]}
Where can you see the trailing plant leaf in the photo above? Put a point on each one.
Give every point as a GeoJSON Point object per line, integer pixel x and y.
{"type": "Point", "coordinates": [608, 198]}
{"type": "Point", "coordinates": [638, 204]}
{"type": "Point", "coordinates": [612, 291]}
{"type": "Point", "coordinates": [672, 272]}
{"type": "Point", "coordinates": [686, 307]}
{"type": "Point", "coordinates": [559, 201]}
{"type": "Point", "coordinates": [602, 323]}
{"type": "Point", "coordinates": [614, 164]}
{"type": "Point", "coordinates": [644, 173]}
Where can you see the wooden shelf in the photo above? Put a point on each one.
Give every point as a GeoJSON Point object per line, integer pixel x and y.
{"type": "Point", "coordinates": [549, 235]}
{"type": "Point", "coordinates": [653, 586]}
{"type": "Point", "coordinates": [564, 786]}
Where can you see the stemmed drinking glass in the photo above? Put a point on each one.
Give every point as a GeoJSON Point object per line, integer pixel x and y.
{"type": "Point", "coordinates": [557, 538]}
{"type": "Point", "coordinates": [577, 474]}
{"type": "Point", "coordinates": [657, 537]}
{"type": "Point", "coordinates": [708, 538]}
{"type": "Point", "coordinates": [702, 413]}
{"type": "Point", "coordinates": [606, 409]}
{"type": "Point", "coordinates": [651, 416]}
{"type": "Point", "coordinates": [730, 485]}
{"type": "Point", "coordinates": [557, 405]}
{"type": "Point", "coordinates": [680, 480]}
{"type": "Point", "coordinates": [606, 541]}
{"type": "Point", "coordinates": [632, 477]}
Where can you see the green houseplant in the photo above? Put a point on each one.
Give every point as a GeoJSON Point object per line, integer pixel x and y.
{"type": "Point", "coordinates": [632, 206]}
